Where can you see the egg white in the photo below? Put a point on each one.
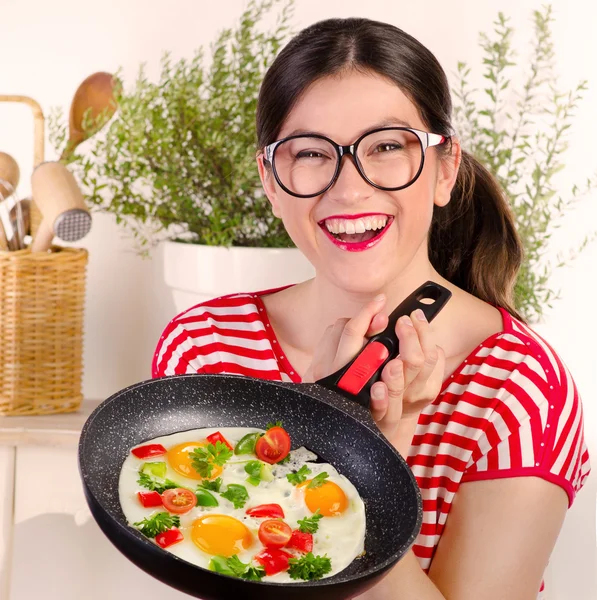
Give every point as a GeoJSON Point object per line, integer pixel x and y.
{"type": "Point", "coordinates": [341, 537]}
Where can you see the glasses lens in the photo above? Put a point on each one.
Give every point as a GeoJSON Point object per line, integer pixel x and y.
{"type": "Point", "coordinates": [390, 158]}
{"type": "Point", "coordinates": [305, 165]}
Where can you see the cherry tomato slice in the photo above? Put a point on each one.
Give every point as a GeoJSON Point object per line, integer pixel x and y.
{"type": "Point", "coordinates": [149, 450]}
{"type": "Point", "coordinates": [149, 499]}
{"type": "Point", "coordinates": [266, 510]}
{"type": "Point", "coordinates": [167, 538]}
{"type": "Point", "coordinates": [274, 533]}
{"type": "Point", "coordinates": [218, 437]}
{"type": "Point", "coordinates": [301, 541]}
{"type": "Point", "coordinates": [273, 446]}
{"type": "Point", "coordinates": [273, 560]}
{"type": "Point", "coordinates": [178, 500]}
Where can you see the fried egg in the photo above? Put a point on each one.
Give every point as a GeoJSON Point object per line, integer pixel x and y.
{"type": "Point", "coordinates": [224, 530]}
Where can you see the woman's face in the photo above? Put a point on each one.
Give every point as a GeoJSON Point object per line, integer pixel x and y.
{"type": "Point", "coordinates": [342, 109]}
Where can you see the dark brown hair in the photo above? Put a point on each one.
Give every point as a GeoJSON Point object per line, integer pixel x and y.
{"type": "Point", "coordinates": [473, 241]}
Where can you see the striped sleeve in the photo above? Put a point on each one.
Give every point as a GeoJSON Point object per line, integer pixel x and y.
{"type": "Point", "coordinates": [225, 335]}
{"type": "Point", "coordinates": [536, 427]}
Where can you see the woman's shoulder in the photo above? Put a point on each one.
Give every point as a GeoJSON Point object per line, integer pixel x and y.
{"type": "Point", "coordinates": [515, 403]}
{"type": "Point", "coordinates": [234, 322]}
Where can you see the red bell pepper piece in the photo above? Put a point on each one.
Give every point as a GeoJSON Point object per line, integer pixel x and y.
{"type": "Point", "coordinates": [218, 437]}
{"type": "Point", "coordinates": [273, 560]}
{"type": "Point", "coordinates": [266, 510]}
{"type": "Point", "coordinates": [149, 450]}
{"type": "Point", "coordinates": [149, 499]}
{"type": "Point", "coordinates": [301, 541]}
{"type": "Point", "coordinates": [167, 538]}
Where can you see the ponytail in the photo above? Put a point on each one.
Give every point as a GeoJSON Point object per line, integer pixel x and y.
{"type": "Point", "coordinates": [473, 241]}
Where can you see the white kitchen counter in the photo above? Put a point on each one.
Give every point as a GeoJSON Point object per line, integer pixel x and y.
{"type": "Point", "coordinates": [50, 545]}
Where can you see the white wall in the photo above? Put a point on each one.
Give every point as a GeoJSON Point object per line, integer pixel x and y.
{"type": "Point", "coordinates": [47, 49]}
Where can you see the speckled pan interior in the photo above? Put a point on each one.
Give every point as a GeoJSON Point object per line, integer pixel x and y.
{"type": "Point", "coordinates": [339, 431]}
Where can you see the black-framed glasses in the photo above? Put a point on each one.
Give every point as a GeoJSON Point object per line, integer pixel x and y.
{"type": "Point", "coordinates": [388, 158]}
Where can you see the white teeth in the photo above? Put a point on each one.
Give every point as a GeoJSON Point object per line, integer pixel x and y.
{"type": "Point", "coordinates": [356, 225]}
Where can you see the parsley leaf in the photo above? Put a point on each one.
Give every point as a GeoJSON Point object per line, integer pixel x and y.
{"type": "Point", "coordinates": [310, 524]}
{"type": "Point", "coordinates": [235, 568]}
{"type": "Point", "coordinates": [318, 480]}
{"type": "Point", "coordinates": [156, 524]}
{"type": "Point", "coordinates": [154, 485]}
{"type": "Point", "coordinates": [299, 476]}
{"type": "Point", "coordinates": [309, 567]}
{"type": "Point", "coordinates": [284, 460]}
{"type": "Point", "coordinates": [212, 486]}
{"type": "Point", "coordinates": [237, 494]}
{"type": "Point", "coordinates": [203, 459]}
{"type": "Point", "coordinates": [276, 424]}
{"type": "Point", "coordinates": [254, 573]}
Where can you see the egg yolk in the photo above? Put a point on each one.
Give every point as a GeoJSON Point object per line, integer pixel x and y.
{"type": "Point", "coordinates": [328, 498]}
{"type": "Point", "coordinates": [180, 461]}
{"type": "Point", "coordinates": [220, 534]}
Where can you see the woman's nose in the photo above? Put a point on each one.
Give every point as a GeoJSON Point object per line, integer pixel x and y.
{"type": "Point", "coordinates": [350, 187]}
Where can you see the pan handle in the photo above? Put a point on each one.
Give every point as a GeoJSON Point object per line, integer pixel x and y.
{"type": "Point", "coordinates": [354, 380]}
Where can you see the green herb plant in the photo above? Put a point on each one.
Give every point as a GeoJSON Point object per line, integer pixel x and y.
{"type": "Point", "coordinates": [519, 135]}
{"type": "Point", "coordinates": [177, 161]}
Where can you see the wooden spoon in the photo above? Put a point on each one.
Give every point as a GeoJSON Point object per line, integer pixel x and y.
{"type": "Point", "coordinates": [95, 94]}
{"type": "Point", "coordinates": [9, 173]}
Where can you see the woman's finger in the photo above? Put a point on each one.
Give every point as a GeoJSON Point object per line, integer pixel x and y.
{"type": "Point", "coordinates": [378, 324]}
{"type": "Point", "coordinates": [379, 401]}
{"type": "Point", "coordinates": [355, 331]}
{"type": "Point", "coordinates": [411, 352]}
{"type": "Point", "coordinates": [393, 376]}
{"type": "Point", "coordinates": [426, 343]}
{"type": "Point", "coordinates": [424, 390]}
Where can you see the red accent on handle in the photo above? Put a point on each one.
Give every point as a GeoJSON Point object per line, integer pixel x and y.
{"type": "Point", "coordinates": [363, 368]}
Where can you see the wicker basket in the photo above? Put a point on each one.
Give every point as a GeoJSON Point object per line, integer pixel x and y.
{"type": "Point", "coordinates": [42, 298]}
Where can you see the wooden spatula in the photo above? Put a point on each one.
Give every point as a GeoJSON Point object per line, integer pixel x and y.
{"type": "Point", "coordinates": [95, 94]}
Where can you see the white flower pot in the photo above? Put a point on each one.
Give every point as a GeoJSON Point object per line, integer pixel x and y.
{"type": "Point", "coordinates": [195, 273]}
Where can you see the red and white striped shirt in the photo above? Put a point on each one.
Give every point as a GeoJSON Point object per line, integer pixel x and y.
{"type": "Point", "coordinates": [510, 409]}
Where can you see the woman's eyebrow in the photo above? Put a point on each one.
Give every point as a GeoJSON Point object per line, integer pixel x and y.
{"type": "Point", "coordinates": [389, 122]}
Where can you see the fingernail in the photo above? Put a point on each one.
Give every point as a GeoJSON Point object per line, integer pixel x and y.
{"type": "Point", "coordinates": [379, 297]}
{"type": "Point", "coordinates": [406, 321]}
{"type": "Point", "coordinates": [377, 392]}
{"type": "Point", "coordinates": [420, 315]}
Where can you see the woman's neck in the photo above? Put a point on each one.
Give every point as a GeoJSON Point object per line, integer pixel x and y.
{"type": "Point", "coordinates": [318, 303]}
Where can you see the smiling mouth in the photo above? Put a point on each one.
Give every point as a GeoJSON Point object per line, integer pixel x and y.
{"type": "Point", "coordinates": [337, 231]}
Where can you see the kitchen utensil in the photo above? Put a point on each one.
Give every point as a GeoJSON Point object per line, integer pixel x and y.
{"type": "Point", "coordinates": [9, 172]}
{"type": "Point", "coordinates": [338, 427]}
{"type": "Point", "coordinates": [20, 221]}
{"type": "Point", "coordinates": [95, 94]}
{"type": "Point", "coordinates": [6, 197]}
{"type": "Point", "coordinates": [61, 203]}
{"type": "Point", "coordinates": [3, 240]}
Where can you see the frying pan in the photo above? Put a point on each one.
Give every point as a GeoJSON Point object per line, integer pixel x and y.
{"type": "Point", "coordinates": [330, 417]}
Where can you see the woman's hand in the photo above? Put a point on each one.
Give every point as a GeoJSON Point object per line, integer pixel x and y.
{"type": "Point", "coordinates": [408, 383]}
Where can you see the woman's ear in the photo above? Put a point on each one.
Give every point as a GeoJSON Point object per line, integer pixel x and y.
{"type": "Point", "coordinates": [447, 173]}
{"type": "Point", "coordinates": [268, 182]}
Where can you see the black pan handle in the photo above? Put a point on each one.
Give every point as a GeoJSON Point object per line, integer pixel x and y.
{"type": "Point", "coordinates": [354, 380]}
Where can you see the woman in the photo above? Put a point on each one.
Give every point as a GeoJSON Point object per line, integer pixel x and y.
{"type": "Point", "coordinates": [484, 409]}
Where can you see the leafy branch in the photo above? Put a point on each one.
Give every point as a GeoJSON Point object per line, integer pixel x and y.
{"type": "Point", "coordinates": [524, 148]}
{"type": "Point", "coordinates": [177, 161]}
